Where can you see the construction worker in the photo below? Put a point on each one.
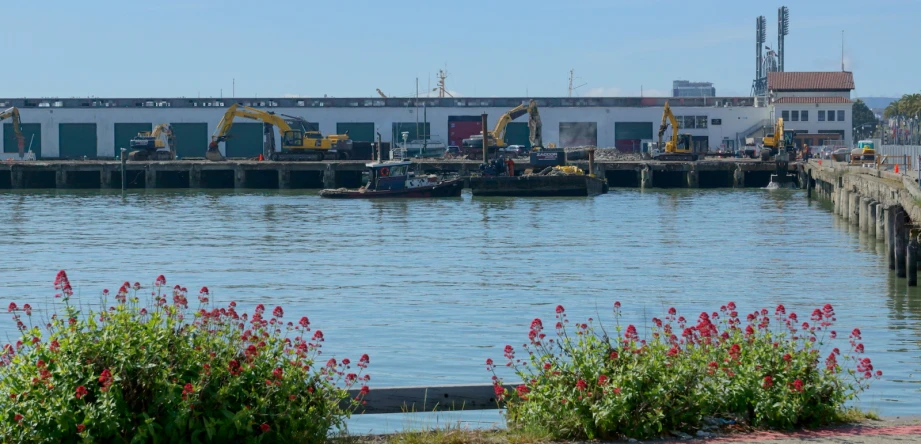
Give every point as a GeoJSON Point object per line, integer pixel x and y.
{"type": "Point", "coordinates": [511, 167]}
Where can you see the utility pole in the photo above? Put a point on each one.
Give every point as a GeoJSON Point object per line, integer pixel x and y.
{"type": "Point", "coordinates": [572, 78]}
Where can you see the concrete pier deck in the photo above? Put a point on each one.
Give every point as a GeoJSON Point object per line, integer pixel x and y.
{"type": "Point", "coordinates": [65, 174]}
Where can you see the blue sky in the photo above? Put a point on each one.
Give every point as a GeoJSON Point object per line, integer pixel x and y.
{"type": "Point", "coordinates": [347, 48]}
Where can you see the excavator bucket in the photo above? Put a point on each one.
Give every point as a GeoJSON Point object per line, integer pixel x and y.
{"type": "Point", "coordinates": [214, 153]}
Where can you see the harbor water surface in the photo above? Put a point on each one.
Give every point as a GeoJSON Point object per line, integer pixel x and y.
{"type": "Point", "coordinates": [432, 288]}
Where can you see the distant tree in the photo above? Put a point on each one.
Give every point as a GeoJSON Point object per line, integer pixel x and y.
{"type": "Point", "coordinates": [863, 116]}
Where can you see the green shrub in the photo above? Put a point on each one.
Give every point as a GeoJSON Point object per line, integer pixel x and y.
{"type": "Point", "coordinates": [155, 371]}
{"type": "Point", "coordinates": [586, 383]}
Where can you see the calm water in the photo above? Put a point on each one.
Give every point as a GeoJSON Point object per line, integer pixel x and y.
{"type": "Point", "coordinates": [431, 288]}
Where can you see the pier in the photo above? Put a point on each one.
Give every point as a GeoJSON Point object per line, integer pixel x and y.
{"type": "Point", "coordinates": [244, 174]}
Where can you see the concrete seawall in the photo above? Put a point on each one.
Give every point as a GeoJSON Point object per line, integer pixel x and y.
{"type": "Point", "coordinates": [883, 204]}
{"type": "Point", "coordinates": [718, 173]}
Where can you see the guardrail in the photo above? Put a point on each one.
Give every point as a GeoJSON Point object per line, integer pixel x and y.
{"type": "Point", "coordinates": [432, 398]}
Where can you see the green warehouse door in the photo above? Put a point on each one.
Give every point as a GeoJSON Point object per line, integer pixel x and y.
{"type": "Point", "coordinates": [77, 140]}
{"type": "Point", "coordinates": [244, 140]}
{"type": "Point", "coordinates": [32, 133]}
{"type": "Point", "coordinates": [124, 132]}
{"type": "Point", "coordinates": [359, 132]}
{"type": "Point", "coordinates": [633, 130]}
{"type": "Point", "coordinates": [517, 133]}
{"type": "Point", "coordinates": [191, 139]}
{"type": "Point", "coordinates": [416, 131]}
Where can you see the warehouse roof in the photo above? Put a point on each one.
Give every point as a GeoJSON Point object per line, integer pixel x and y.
{"type": "Point", "coordinates": [783, 100]}
{"type": "Point", "coordinates": [811, 81]}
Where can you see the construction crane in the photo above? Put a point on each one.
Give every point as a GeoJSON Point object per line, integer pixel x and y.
{"type": "Point", "coordinates": [474, 145]}
{"type": "Point", "coordinates": [17, 127]}
{"type": "Point", "coordinates": [297, 141]}
{"type": "Point", "coordinates": [678, 148]}
{"type": "Point", "coordinates": [159, 144]}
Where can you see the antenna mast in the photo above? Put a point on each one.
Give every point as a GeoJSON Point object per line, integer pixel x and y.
{"type": "Point", "coordinates": [572, 77]}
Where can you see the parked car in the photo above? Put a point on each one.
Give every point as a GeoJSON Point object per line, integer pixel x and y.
{"type": "Point", "coordinates": [453, 150]}
{"type": "Point", "coordinates": [514, 150]}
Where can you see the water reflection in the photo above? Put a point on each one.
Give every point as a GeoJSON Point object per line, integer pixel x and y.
{"type": "Point", "coordinates": [431, 288]}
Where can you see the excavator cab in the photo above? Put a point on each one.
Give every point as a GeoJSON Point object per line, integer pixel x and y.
{"type": "Point", "coordinates": [684, 144]}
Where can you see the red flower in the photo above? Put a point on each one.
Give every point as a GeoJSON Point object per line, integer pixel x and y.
{"type": "Point", "coordinates": [104, 376]}
{"type": "Point", "coordinates": [278, 312]}
{"type": "Point", "coordinates": [364, 359]}
{"type": "Point", "coordinates": [161, 280]}
{"type": "Point", "coordinates": [509, 352]}
{"type": "Point", "coordinates": [631, 333]}
{"type": "Point", "coordinates": [798, 386]}
{"type": "Point", "coordinates": [12, 307]}
{"type": "Point", "coordinates": [602, 380]}
{"type": "Point", "coordinates": [859, 348]}
{"type": "Point", "coordinates": [879, 373]}
{"type": "Point", "coordinates": [488, 362]}
{"type": "Point", "coordinates": [522, 390]}
{"type": "Point", "coordinates": [81, 392]}
{"type": "Point", "coordinates": [364, 390]}
{"type": "Point", "coordinates": [787, 357]}
{"type": "Point", "coordinates": [672, 311]}
{"type": "Point", "coordinates": [80, 428]}
{"type": "Point", "coordinates": [346, 361]}
{"type": "Point", "coordinates": [265, 428]}
{"type": "Point", "coordinates": [616, 390]}
{"type": "Point", "coordinates": [204, 290]}
{"type": "Point", "coordinates": [581, 385]}
{"type": "Point", "coordinates": [17, 418]}
{"type": "Point", "coordinates": [318, 335]}
{"type": "Point", "coordinates": [234, 367]}
{"type": "Point", "coordinates": [547, 366]}
{"type": "Point", "coordinates": [260, 308]}
{"type": "Point", "coordinates": [616, 305]}
{"type": "Point", "coordinates": [834, 334]}
{"type": "Point", "coordinates": [559, 308]}
{"type": "Point", "coordinates": [768, 381]}
{"type": "Point", "coordinates": [731, 306]}
{"type": "Point", "coordinates": [304, 322]}
{"type": "Point", "coordinates": [613, 355]}
{"type": "Point", "coordinates": [277, 373]}
{"type": "Point", "coordinates": [331, 363]}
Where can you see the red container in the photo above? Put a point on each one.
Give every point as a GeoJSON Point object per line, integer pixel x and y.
{"type": "Point", "coordinates": [458, 130]}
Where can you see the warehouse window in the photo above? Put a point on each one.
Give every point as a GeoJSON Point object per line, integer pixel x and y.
{"type": "Point", "coordinates": [841, 115]}
{"type": "Point", "coordinates": [701, 121]}
{"type": "Point", "coordinates": [821, 116]}
{"type": "Point", "coordinates": [794, 116]}
{"type": "Point", "coordinates": [804, 115]}
{"type": "Point", "coordinates": [831, 116]}
{"type": "Point", "coordinates": [785, 115]}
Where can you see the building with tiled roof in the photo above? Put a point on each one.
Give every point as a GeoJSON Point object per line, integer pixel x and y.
{"type": "Point", "coordinates": [816, 105]}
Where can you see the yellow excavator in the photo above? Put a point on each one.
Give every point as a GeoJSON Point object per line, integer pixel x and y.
{"type": "Point", "coordinates": [774, 145]}
{"type": "Point", "coordinates": [159, 144]}
{"type": "Point", "coordinates": [473, 146]}
{"type": "Point", "coordinates": [17, 127]}
{"type": "Point", "coordinates": [297, 141]}
{"type": "Point", "coordinates": [679, 148]}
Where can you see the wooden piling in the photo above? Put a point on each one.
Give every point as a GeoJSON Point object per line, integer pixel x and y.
{"type": "Point", "coordinates": [911, 258]}
{"type": "Point", "coordinates": [901, 243]}
{"type": "Point", "coordinates": [890, 236]}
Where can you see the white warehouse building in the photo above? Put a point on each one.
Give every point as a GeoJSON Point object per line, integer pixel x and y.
{"type": "Point", "coordinates": [97, 128]}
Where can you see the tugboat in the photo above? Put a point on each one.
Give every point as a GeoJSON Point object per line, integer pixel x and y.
{"type": "Point", "coordinates": [394, 179]}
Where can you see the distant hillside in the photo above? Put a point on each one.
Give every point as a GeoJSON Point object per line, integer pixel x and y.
{"type": "Point", "coordinates": [878, 102]}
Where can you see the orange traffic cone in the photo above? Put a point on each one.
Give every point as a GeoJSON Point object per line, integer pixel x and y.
{"type": "Point", "coordinates": [261, 158]}
{"type": "Point", "coordinates": [896, 168]}
{"type": "Point", "coordinates": [820, 162]}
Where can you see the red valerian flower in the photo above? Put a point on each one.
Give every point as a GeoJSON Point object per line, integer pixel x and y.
{"type": "Point", "coordinates": [304, 322]}
{"type": "Point", "coordinates": [234, 367]}
{"type": "Point", "coordinates": [278, 312]}
{"type": "Point", "coordinates": [489, 361]}
{"type": "Point", "coordinates": [602, 380]}
{"type": "Point", "coordinates": [204, 290]}
{"type": "Point", "coordinates": [12, 307]}
{"type": "Point", "coordinates": [80, 428]}
{"type": "Point", "coordinates": [318, 335]}
{"type": "Point", "coordinates": [798, 386]}
{"type": "Point", "coordinates": [522, 390]}
{"type": "Point", "coordinates": [509, 352]}
{"type": "Point", "coordinates": [834, 334]}
{"type": "Point", "coordinates": [161, 280]}
{"type": "Point", "coordinates": [364, 390]}
{"type": "Point", "coordinates": [17, 418]}
{"type": "Point", "coordinates": [260, 308]}
{"type": "Point", "coordinates": [768, 382]}
{"type": "Point", "coordinates": [787, 357]}
{"type": "Point", "coordinates": [277, 373]}
{"type": "Point", "coordinates": [547, 366]}
{"type": "Point", "coordinates": [364, 359]}
{"type": "Point", "coordinates": [559, 308]}
{"type": "Point", "coordinates": [614, 355]}
{"type": "Point", "coordinates": [859, 348]}
{"type": "Point", "coordinates": [81, 392]}
{"type": "Point", "coordinates": [780, 310]}
{"type": "Point", "coordinates": [616, 390]}
{"type": "Point", "coordinates": [581, 385]}
{"type": "Point", "coordinates": [672, 311]}
{"type": "Point", "coordinates": [616, 305]}
{"type": "Point", "coordinates": [331, 363]}
{"type": "Point", "coordinates": [265, 428]}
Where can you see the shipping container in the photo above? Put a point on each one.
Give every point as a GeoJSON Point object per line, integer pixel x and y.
{"type": "Point", "coordinates": [462, 127]}
{"type": "Point", "coordinates": [518, 133]}
{"type": "Point", "coordinates": [359, 132]}
{"type": "Point", "coordinates": [191, 139]}
{"type": "Point", "coordinates": [632, 130]}
{"type": "Point", "coordinates": [244, 140]}
{"type": "Point", "coordinates": [578, 134]}
{"type": "Point", "coordinates": [77, 140]}
{"type": "Point", "coordinates": [32, 132]}
{"type": "Point", "coordinates": [416, 131]}
{"type": "Point", "coordinates": [124, 132]}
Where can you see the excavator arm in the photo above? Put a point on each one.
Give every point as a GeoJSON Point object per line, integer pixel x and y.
{"type": "Point", "coordinates": [235, 110]}
{"type": "Point", "coordinates": [535, 127]}
{"type": "Point", "coordinates": [17, 125]}
{"type": "Point", "coordinates": [668, 118]}
{"type": "Point", "coordinates": [499, 131]}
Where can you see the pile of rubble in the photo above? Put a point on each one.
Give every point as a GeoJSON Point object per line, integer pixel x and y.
{"type": "Point", "coordinates": [609, 154]}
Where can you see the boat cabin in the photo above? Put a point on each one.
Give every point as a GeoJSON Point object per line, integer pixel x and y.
{"type": "Point", "coordinates": [388, 175]}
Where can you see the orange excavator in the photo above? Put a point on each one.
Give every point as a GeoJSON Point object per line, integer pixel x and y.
{"type": "Point", "coordinates": [17, 128]}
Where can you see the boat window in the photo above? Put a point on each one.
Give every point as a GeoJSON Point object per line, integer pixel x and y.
{"type": "Point", "coordinates": [398, 170]}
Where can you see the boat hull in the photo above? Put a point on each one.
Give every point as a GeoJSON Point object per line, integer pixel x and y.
{"type": "Point", "coordinates": [450, 188]}
{"type": "Point", "coordinates": [538, 186]}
